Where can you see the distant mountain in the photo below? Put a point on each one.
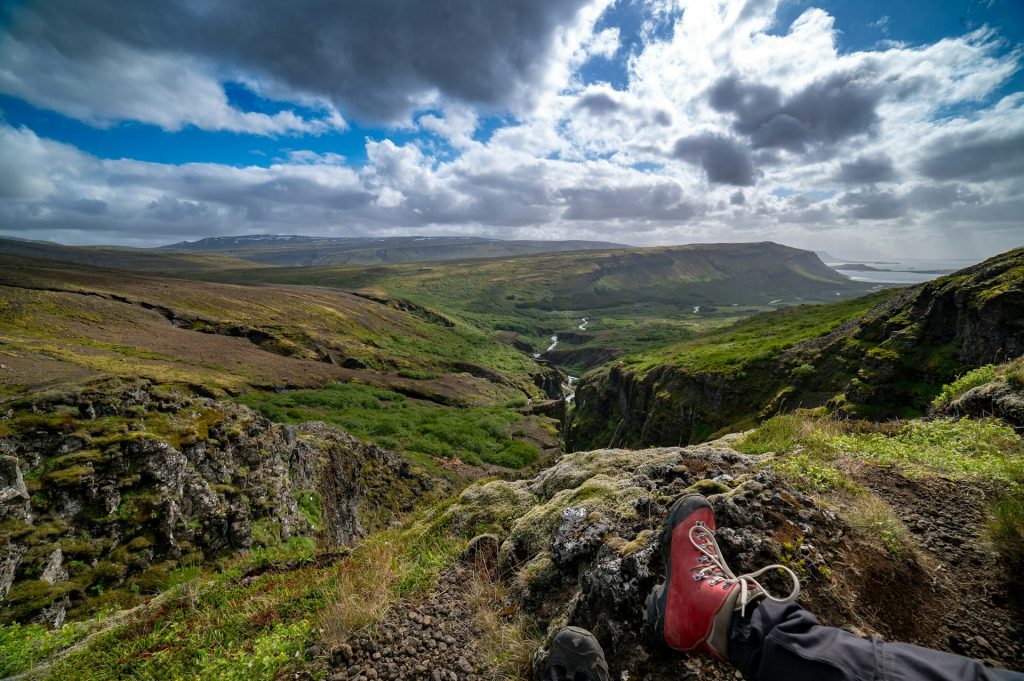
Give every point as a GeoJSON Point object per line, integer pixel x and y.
{"type": "Point", "coordinates": [308, 251]}
{"type": "Point", "coordinates": [683, 276]}
{"type": "Point", "coordinates": [122, 258]}
{"type": "Point", "coordinates": [826, 256]}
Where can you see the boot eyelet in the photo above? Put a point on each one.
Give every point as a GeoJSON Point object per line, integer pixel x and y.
{"type": "Point", "coordinates": [697, 577]}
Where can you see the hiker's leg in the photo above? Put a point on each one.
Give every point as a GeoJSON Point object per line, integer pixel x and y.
{"type": "Point", "coordinates": [785, 642]}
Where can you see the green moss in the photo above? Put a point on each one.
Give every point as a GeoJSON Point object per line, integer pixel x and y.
{"type": "Point", "coordinates": [266, 533]}
{"type": "Point", "coordinates": [708, 487]}
{"type": "Point", "coordinates": [141, 542]}
{"type": "Point", "coordinates": [884, 354]}
{"type": "Point", "coordinates": [27, 597]}
{"type": "Point", "coordinates": [68, 477]}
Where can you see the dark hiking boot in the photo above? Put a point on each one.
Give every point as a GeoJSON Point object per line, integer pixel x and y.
{"type": "Point", "coordinates": [575, 655]}
{"type": "Point", "coordinates": [693, 610]}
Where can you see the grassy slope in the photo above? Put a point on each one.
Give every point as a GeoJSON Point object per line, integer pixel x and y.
{"type": "Point", "coordinates": [721, 379]}
{"type": "Point", "coordinates": [316, 252]}
{"type": "Point", "coordinates": [730, 349]}
{"type": "Point", "coordinates": [64, 323]}
{"type": "Point", "coordinates": [635, 299]}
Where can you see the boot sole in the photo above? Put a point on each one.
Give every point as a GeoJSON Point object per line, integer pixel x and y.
{"type": "Point", "coordinates": [588, 658]}
{"type": "Point", "coordinates": [655, 603]}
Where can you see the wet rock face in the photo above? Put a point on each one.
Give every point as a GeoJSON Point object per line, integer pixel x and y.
{"type": "Point", "coordinates": [89, 496]}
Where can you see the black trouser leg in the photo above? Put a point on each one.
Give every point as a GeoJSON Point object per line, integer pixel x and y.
{"type": "Point", "coordinates": [777, 642]}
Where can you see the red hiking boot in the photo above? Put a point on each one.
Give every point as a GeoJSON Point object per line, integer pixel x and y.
{"type": "Point", "coordinates": [693, 609]}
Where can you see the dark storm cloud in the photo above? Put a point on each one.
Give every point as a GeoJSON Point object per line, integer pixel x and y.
{"type": "Point", "coordinates": [874, 205]}
{"type": "Point", "coordinates": [724, 160]}
{"type": "Point", "coordinates": [867, 170]}
{"type": "Point", "coordinates": [974, 156]}
{"type": "Point", "coordinates": [89, 206]}
{"type": "Point", "coordinates": [598, 103]}
{"type": "Point", "coordinates": [938, 197]}
{"type": "Point", "coordinates": [171, 209]}
{"type": "Point", "coordinates": [825, 112]}
{"type": "Point", "coordinates": [375, 60]}
{"type": "Point", "coordinates": [662, 201]}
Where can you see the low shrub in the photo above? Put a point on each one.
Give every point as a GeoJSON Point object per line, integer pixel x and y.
{"type": "Point", "coordinates": [972, 379]}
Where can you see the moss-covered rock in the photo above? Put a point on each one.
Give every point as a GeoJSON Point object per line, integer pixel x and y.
{"type": "Point", "coordinates": [127, 477]}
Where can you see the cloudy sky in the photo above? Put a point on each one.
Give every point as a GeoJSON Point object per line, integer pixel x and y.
{"type": "Point", "coordinates": [867, 127]}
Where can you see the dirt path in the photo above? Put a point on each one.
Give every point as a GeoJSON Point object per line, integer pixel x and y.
{"type": "Point", "coordinates": [947, 520]}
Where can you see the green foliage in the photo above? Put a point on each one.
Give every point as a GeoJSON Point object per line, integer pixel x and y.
{"type": "Point", "coordinates": [972, 379]}
{"type": "Point", "coordinates": [877, 519]}
{"type": "Point", "coordinates": [811, 472]}
{"type": "Point", "coordinates": [311, 507]}
{"type": "Point", "coordinates": [22, 645]}
{"type": "Point", "coordinates": [474, 434]}
{"type": "Point", "coordinates": [802, 371]}
{"type": "Point", "coordinates": [985, 448]}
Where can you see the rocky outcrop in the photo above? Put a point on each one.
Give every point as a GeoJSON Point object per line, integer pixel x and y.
{"type": "Point", "coordinates": [618, 408]}
{"type": "Point", "coordinates": [891, 362]}
{"type": "Point", "coordinates": [118, 487]}
{"type": "Point", "coordinates": [579, 545]}
{"type": "Point", "coordinates": [997, 399]}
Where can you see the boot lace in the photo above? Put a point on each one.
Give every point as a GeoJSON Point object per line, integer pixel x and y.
{"type": "Point", "coordinates": [713, 565]}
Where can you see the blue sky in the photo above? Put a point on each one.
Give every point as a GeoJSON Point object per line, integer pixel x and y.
{"type": "Point", "coordinates": [556, 119]}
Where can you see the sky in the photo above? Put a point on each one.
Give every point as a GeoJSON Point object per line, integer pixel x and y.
{"type": "Point", "coordinates": [866, 128]}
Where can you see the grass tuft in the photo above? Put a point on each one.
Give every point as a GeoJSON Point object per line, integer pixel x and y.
{"type": "Point", "coordinates": [506, 641]}
{"type": "Point", "coordinates": [877, 519]}
{"type": "Point", "coordinates": [1006, 531]}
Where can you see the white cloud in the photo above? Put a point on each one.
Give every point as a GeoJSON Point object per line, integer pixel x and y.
{"type": "Point", "coordinates": [604, 44]}
{"type": "Point", "coordinates": [896, 147]}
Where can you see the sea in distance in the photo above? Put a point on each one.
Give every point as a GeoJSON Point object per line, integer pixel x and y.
{"type": "Point", "coordinates": [913, 271]}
